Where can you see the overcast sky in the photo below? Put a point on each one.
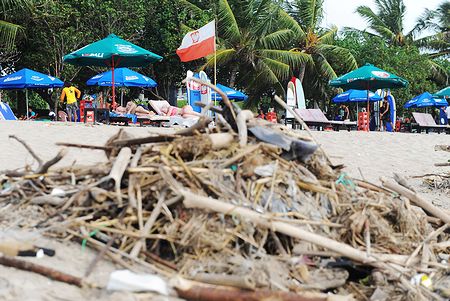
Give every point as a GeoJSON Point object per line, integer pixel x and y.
{"type": "Point", "coordinates": [342, 12]}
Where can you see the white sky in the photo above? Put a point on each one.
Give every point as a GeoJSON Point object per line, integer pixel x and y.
{"type": "Point", "coordinates": [342, 12]}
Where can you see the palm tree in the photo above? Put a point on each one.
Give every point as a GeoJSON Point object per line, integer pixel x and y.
{"type": "Point", "coordinates": [437, 21]}
{"type": "Point", "coordinates": [318, 44]}
{"type": "Point", "coordinates": [387, 23]}
{"type": "Point", "coordinates": [254, 36]}
{"type": "Point", "coordinates": [8, 30]}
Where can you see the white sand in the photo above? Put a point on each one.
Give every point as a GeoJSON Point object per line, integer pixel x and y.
{"type": "Point", "coordinates": [375, 154]}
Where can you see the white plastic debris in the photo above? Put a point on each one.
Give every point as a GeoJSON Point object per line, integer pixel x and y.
{"type": "Point", "coordinates": [125, 280]}
{"type": "Point", "coordinates": [58, 192]}
{"type": "Point", "coordinates": [265, 170]}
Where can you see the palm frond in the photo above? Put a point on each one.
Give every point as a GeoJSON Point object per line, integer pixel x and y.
{"type": "Point", "coordinates": [343, 55]}
{"type": "Point", "coordinates": [190, 6]}
{"type": "Point", "coordinates": [223, 56]}
{"type": "Point", "coordinates": [439, 72]}
{"type": "Point", "coordinates": [324, 68]}
{"type": "Point", "coordinates": [8, 33]}
{"type": "Point", "coordinates": [295, 59]}
{"type": "Point", "coordinates": [278, 39]}
{"type": "Point", "coordinates": [329, 35]}
{"type": "Point", "coordinates": [281, 70]}
{"type": "Point", "coordinates": [286, 21]}
{"type": "Point", "coordinates": [227, 22]}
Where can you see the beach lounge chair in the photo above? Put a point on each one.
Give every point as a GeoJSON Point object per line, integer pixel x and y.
{"type": "Point", "coordinates": [426, 122]}
{"type": "Point", "coordinates": [316, 118]}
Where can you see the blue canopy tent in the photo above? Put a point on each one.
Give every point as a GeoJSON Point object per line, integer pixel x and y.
{"type": "Point", "coordinates": [425, 100]}
{"type": "Point", "coordinates": [231, 93]}
{"type": "Point", "coordinates": [356, 96]}
{"type": "Point", "coordinates": [29, 79]}
{"type": "Point", "coordinates": [123, 77]}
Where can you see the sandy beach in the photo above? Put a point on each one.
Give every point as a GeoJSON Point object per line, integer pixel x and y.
{"type": "Point", "coordinates": [366, 156]}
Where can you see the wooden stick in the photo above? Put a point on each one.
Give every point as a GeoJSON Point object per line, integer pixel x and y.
{"type": "Point", "coordinates": [442, 164]}
{"type": "Point", "coordinates": [191, 290]}
{"type": "Point", "coordinates": [144, 140]}
{"type": "Point", "coordinates": [118, 169]}
{"type": "Point", "coordinates": [39, 269]}
{"type": "Point", "coordinates": [416, 199]}
{"type": "Point", "coordinates": [88, 146]}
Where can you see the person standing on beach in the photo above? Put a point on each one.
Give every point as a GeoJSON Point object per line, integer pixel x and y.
{"type": "Point", "coordinates": [71, 94]}
{"type": "Point", "coordinates": [385, 115]}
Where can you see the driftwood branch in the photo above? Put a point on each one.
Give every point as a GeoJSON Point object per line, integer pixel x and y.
{"type": "Point", "coordinates": [43, 168]}
{"type": "Point", "coordinates": [192, 290]}
{"type": "Point", "coordinates": [28, 148]}
{"type": "Point", "coordinates": [416, 199]}
{"type": "Point", "coordinates": [39, 269]}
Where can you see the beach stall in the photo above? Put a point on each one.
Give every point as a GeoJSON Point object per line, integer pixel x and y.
{"type": "Point", "coordinates": [29, 79]}
{"type": "Point", "coordinates": [369, 77]}
{"type": "Point", "coordinates": [112, 52]}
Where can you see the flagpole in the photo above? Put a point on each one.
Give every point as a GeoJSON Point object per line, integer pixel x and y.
{"type": "Point", "coordinates": [215, 61]}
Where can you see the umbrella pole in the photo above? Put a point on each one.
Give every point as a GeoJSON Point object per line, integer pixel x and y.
{"type": "Point", "coordinates": [121, 97]}
{"type": "Point", "coordinates": [113, 88]}
{"type": "Point", "coordinates": [368, 108]}
{"type": "Point", "coordinates": [26, 101]}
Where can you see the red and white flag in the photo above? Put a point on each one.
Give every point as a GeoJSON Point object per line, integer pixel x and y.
{"type": "Point", "coordinates": [199, 43]}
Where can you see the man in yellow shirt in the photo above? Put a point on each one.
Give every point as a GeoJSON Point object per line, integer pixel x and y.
{"type": "Point", "coordinates": [71, 94]}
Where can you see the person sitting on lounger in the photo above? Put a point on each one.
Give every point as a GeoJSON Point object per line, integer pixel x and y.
{"type": "Point", "coordinates": [186, 111]}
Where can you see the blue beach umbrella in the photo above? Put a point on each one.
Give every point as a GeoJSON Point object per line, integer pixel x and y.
{"type": "Point", "coordinates": [356, 96]}
{"type": "Point", "coordinates": [425, 100]}
{"type": "Point", "coordinates": [231, 93]}
{"type": "Point", "coordinates": [123, 77]}
{"type": "Point", "coordinates": [29, 79]}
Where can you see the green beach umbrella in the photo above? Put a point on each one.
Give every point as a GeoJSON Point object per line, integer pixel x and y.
{"type": "Point", "coordinates": [369, 77]}
{"type": "Point", "coordinates": [112, 52]}
{"type": "Point", "coordinates": [443, 93]}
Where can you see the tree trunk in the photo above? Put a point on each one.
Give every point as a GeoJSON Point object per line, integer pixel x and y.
{"type": "Point", "coordinates": [233, 75]}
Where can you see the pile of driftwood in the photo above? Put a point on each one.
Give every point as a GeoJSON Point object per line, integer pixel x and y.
{"type": "Point", "coordinates": [243, 211]}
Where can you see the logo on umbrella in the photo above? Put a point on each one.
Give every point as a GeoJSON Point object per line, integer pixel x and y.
{"type": "Point", "coordinates": [10, 79]}
{"type": "Point", "coordinates": [131, 77]}
{"type": "Point", "coordinates": [195, 36]}
{"type": "Point", "coordinates": [381, 74]}
{"type": "Point", "coordinates": [125, 48]}
{"type": "Point", "coordinates": [36, 78]}
{"type": "Point", "coordinates": [99, 54]}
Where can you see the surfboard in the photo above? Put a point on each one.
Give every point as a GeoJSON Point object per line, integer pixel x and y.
{"type": "Point", "coordinates": [205, 91]}
{"type": "Point", "coordinates": [300, 94]}
{"type": "Point", "coordinates": [392, 111]}
{"type": "Point", "coordinates": [290, 99]}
